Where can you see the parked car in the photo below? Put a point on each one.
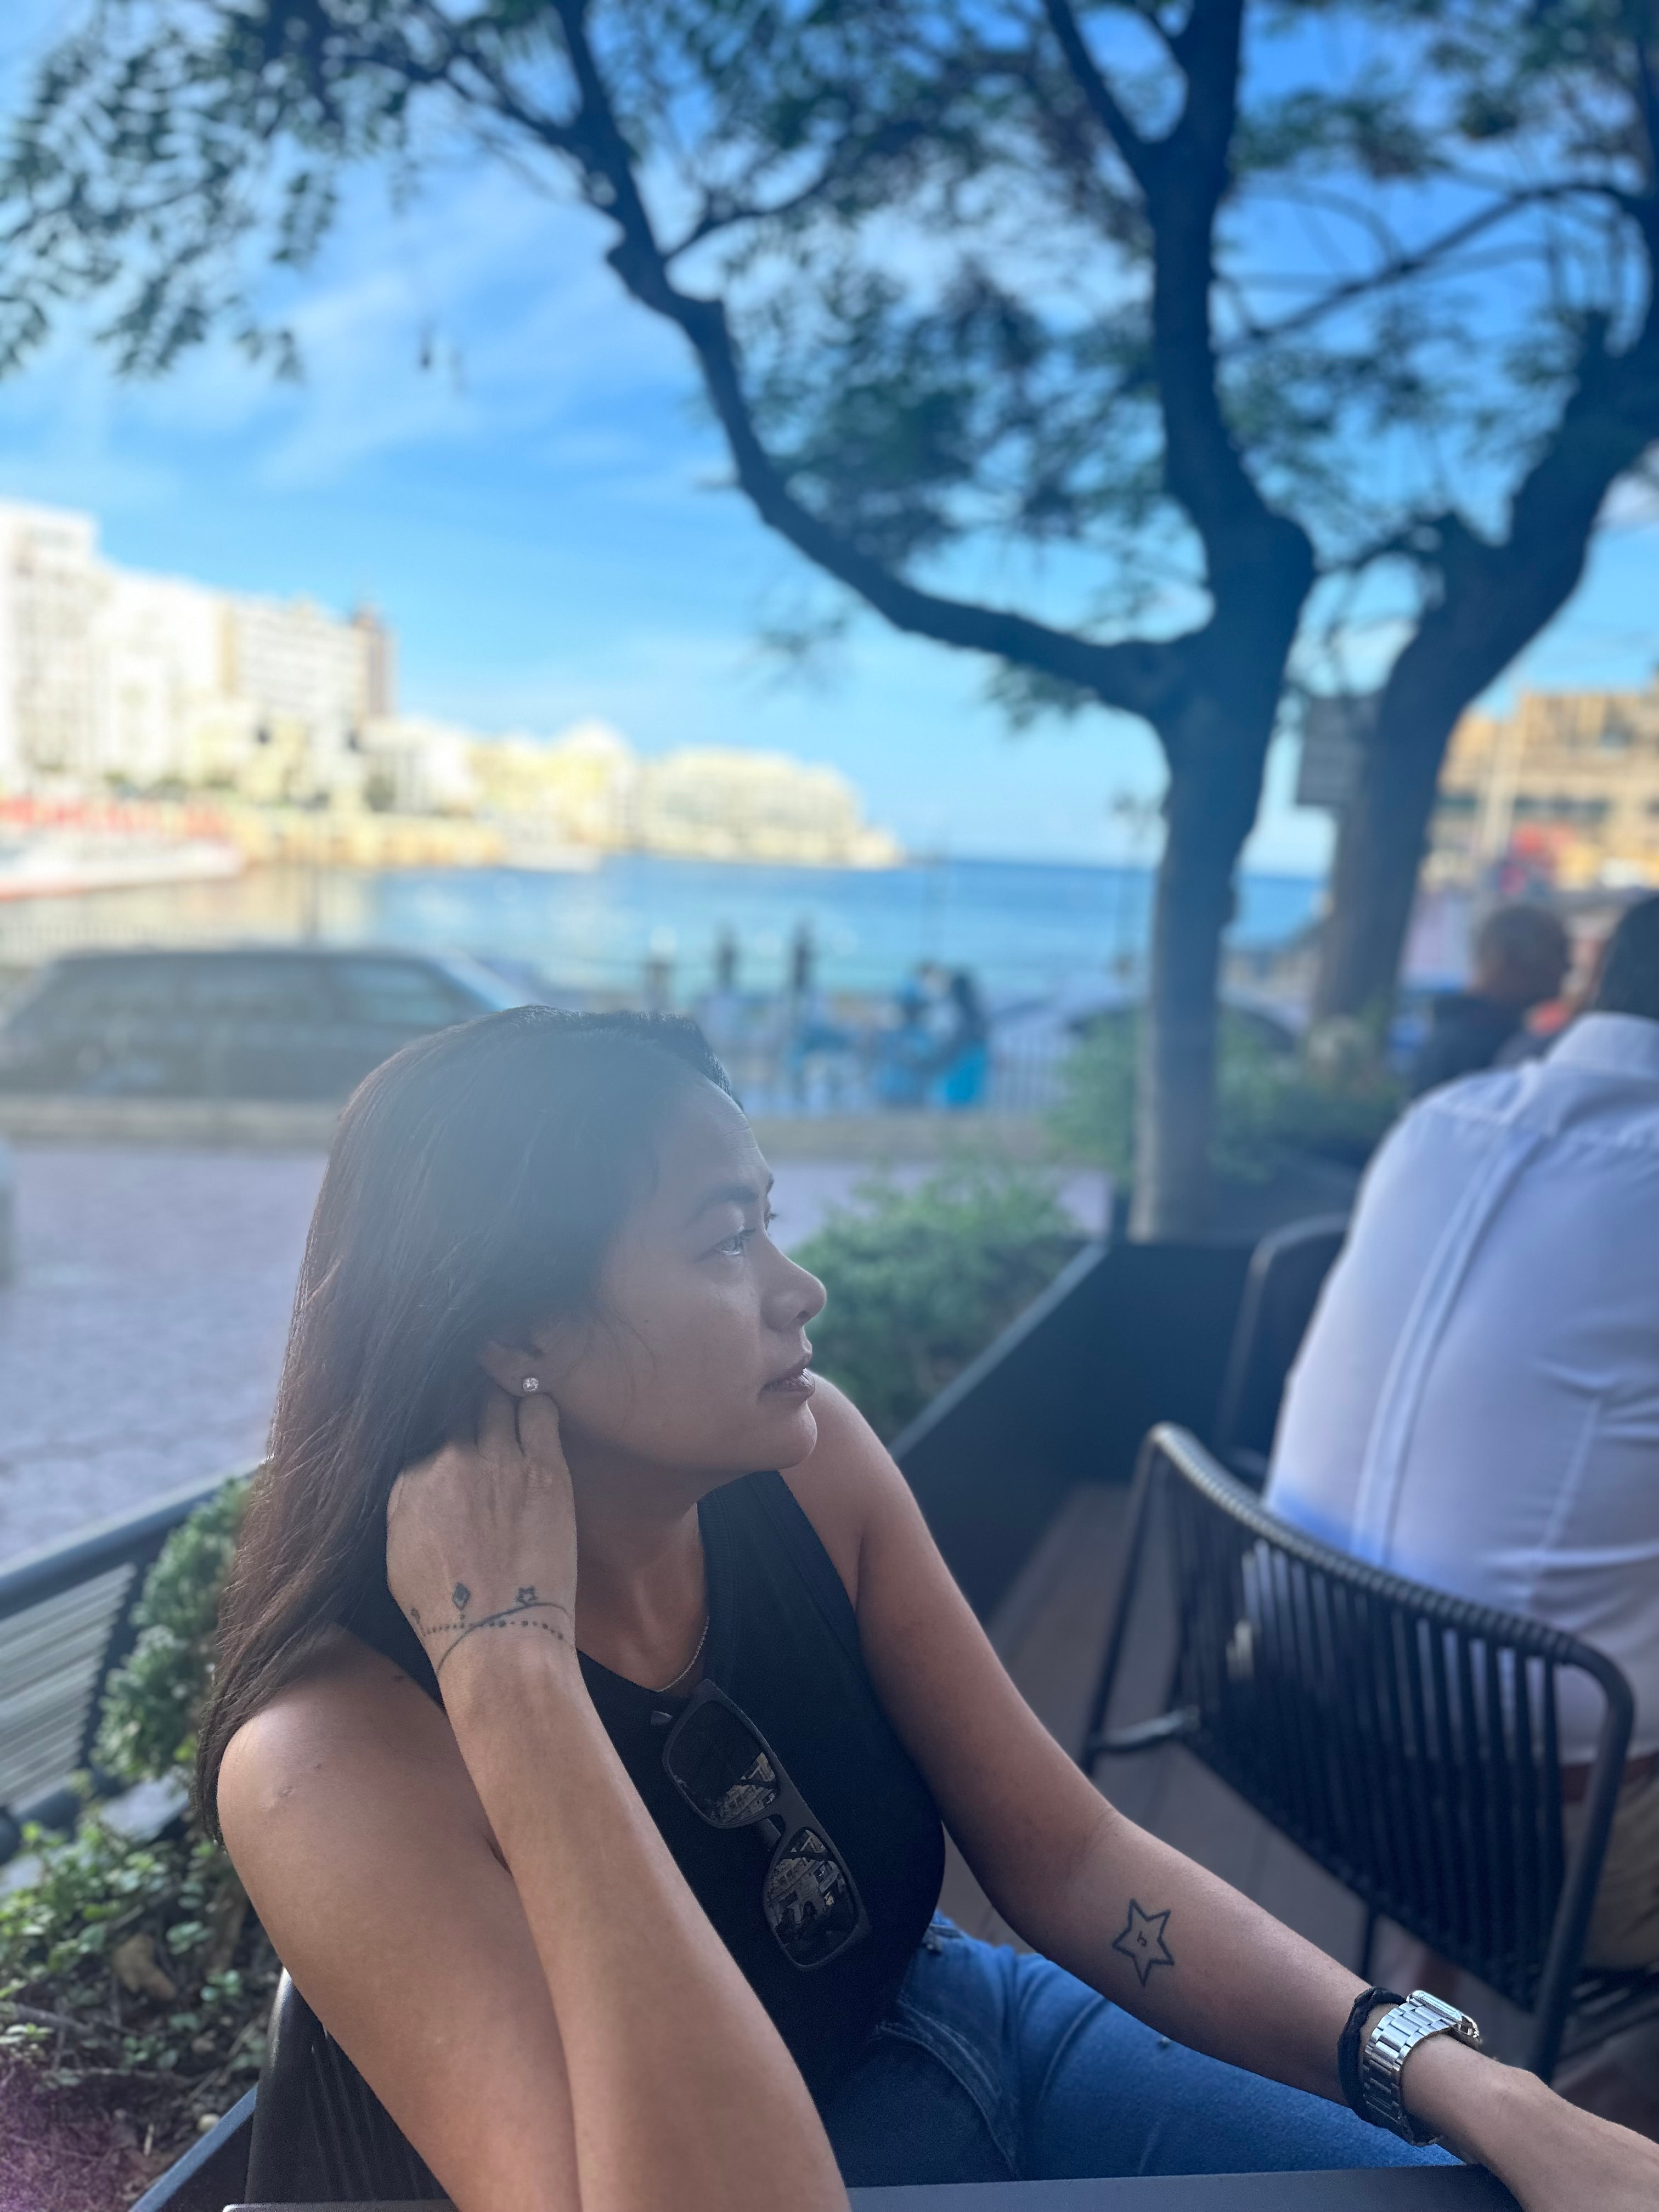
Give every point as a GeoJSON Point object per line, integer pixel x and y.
{"type": "Point", "coordinates": [257, 1023]}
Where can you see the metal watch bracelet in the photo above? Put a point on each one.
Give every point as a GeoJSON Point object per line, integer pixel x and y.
{"type": "Point", "coordinates": [1383, 2053]}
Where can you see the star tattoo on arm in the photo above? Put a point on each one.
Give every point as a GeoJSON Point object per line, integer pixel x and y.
{"type": "Point", "coordinates": [1142, 1943]}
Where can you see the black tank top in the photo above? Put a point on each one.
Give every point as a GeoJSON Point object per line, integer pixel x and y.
{"type": "Point", "coordinates": [783, 1644]}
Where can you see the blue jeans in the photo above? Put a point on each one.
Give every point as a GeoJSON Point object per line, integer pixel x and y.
{"type": "Point", "coordinates": [997, 2066]}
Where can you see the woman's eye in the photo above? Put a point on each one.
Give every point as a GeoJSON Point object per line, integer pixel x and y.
{"type": "Point", "coordinates": [732, 1247]}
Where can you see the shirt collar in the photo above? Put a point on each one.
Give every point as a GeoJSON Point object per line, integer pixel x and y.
{"type": "Point", "coordinates": [1612, 1044]}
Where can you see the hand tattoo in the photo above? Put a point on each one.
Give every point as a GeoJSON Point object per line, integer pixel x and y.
{"type": "Point", "coordinates": [1142, 1941]}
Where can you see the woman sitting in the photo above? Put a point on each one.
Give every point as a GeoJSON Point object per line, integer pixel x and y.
{"type": "Point", "coordinates": [589, 1783]}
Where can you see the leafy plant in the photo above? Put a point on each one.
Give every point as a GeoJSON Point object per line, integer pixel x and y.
{"type": "Point", "coordinates": [134, 1980]}
{"type": "Point", "coordinates": [138, 1957]}
{"type": "Point", "coordinates": [151, 1702]}
{"type": "Point", "coordinates": [1333, 1098]}
{"type": "Point", "coordinates": [922, 1280]}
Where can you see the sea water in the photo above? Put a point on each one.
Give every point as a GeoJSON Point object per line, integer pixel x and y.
{"type": "Point", "coordinates": [1022, 928]}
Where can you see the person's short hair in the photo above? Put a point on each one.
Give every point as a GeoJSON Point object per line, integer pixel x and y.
{"type": "Point", "coordinates": [1629, 981]}
{"type": "Point", "coordinates": [1527, 946]}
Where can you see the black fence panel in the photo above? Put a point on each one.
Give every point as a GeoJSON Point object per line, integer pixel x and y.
{"type": "Point", "coordinates": [1129, 1335]}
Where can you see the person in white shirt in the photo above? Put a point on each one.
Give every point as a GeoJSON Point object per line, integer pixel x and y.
{"type": "Point", "coordinates": [1476, 1403]}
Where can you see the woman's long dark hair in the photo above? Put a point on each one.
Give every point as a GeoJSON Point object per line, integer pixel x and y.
{"type": "Point", "coordinates": [474, 1186]}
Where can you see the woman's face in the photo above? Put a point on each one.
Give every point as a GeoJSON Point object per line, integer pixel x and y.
{"type": "Point", "coordinates": [695, 1359]}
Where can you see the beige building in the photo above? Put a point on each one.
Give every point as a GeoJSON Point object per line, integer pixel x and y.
{"type": "Point", "coordinates": [577, 789]}
{"type": "Point", "coordinates": [112, 677]}
{"type": "Point", "coordinates": [589, 790]}
{"type": "Point", "coordinates": [109, 675]}
{"type": "Point", "coordinates": [1568, 780]}
{"type": "Point", "coordinates": [706, 803]}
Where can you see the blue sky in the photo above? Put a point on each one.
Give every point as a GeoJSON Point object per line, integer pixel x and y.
{"type": "Point", "coordinates": [538, 514]}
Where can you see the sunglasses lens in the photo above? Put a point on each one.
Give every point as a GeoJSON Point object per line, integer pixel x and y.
{"type": "Point", "coordinates": [810, 1905]}
{"type": "Point", "coordinates": [717, 1764]}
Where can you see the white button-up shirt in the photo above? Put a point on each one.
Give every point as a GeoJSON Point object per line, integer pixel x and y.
{"type": "Point", "coordinates": [1476, 1404]}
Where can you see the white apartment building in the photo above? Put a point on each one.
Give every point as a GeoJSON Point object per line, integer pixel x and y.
{"type": "Point", "coordinates": [110, 675]}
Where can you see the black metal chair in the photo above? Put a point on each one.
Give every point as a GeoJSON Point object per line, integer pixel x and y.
{"type": "Point", "coordinates": [1403, 1738]}
{"type": "Point", "coordinates": [321, 2134]}
{"type": "Point", "coordinates": [1287, 1273]}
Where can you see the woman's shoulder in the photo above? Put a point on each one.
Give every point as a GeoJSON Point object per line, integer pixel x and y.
{"type": "Point", "coordinates": [845, 1485]}
{"type": "Point", "coordinates": [350, 1723]}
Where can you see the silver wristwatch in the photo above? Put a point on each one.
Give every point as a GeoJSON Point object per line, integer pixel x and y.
{"type": "Point", "coordinates": [1383, 2053]}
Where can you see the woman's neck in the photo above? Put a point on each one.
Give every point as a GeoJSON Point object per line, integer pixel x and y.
{"type": "Point", "coordinates": [640, 1592]}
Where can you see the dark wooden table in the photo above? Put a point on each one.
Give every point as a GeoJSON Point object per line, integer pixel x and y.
{"type": "Point", "coordinates": [1419, 2189]}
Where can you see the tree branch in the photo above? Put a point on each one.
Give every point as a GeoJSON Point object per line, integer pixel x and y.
{"type": "Point", "coordinates": [1139, 155]}
{"type": "Point", "coordinates": [1136, 676]}
{"type": "Point", "coordinates": [1494, 597]}
{"type": "Point", "coordinates": [1405, 266]}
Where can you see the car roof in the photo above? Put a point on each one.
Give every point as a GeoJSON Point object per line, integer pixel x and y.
{"type": "Point", "coordinates": [118, 956]}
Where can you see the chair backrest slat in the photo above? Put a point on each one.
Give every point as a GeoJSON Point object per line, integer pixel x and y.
{"type": "Point", "coordinates": [1286, 1273]}
{"type": "Point", "coordinates": [51, 1667]}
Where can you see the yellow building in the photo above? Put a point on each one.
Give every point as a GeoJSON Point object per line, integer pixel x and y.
{"type": "Point", "coordinates": [1569, 781]}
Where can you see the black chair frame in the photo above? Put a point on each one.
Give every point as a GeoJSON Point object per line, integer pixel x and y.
{"type": "Point", "coordinates": [321, 2134]}
{"type": "Point", "coordinates": [1286, 1273]}
{"type": "Point", "coordinates": [1404, 1738]}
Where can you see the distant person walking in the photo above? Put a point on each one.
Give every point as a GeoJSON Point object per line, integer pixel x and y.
{"type": "Point", "coordinates": [1521, 956]}
{"type": "Point", "coordinates": [803, 961]}
{"type": "Point", "coordinates": [1477, 1402]}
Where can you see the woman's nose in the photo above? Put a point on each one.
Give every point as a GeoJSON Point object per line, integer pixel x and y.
{"type": "Point", "coordinates": [798, 1297]}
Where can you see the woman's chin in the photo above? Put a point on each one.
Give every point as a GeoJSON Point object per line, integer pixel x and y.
{"type": "Point", "coordinates": [794, 1432]}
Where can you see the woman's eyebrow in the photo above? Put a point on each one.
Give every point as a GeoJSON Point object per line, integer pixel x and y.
{"type": "Point", "coordinates": [732, 1194]}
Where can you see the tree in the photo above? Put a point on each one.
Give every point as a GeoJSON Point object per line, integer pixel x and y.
{"type": "Point", "coordinates": [1582, 82]}
{"type": "Point", "coordinates": [957, 272]}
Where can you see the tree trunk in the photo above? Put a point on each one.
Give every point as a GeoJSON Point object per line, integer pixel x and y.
{"type": "Point", "coordinates": [1379, 851]}
{"type": "Point", "coordinates": [1210, 806]}
{"type": "Point", "coordinates": [1494, 598]}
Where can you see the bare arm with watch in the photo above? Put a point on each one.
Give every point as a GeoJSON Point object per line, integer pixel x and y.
{"type": "Point", "coordinates": [1146, 1926]}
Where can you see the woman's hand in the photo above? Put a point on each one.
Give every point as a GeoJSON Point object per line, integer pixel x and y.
{"type": "Point", "coordinates": [1550, 2155]}
{"type": "Point", "coordinates": [1567, 2158]}
{"type": "Point", "coordinates": [481, 1538]}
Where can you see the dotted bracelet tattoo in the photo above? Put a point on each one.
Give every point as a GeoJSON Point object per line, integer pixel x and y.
{"type": "Point", "coordinates": [509, 1616]}
{"type": "Point", "coordinates": [499, 1620]}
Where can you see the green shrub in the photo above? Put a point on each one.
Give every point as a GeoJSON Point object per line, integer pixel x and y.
{"type": "Point", "coordinates": [920, 1281]}
{"type": "Point", "coordinates": [134, 1969]}
{"type": "Point", "coordinates": [137, 1957]}
{"type": "Point", "coordinates": [151, 1702]}
{"type": "Point", "coordinates": [1333, 1098]}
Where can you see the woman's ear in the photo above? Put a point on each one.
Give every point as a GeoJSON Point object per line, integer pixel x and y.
{"type": "Point", "coordinates": [520, 1369]}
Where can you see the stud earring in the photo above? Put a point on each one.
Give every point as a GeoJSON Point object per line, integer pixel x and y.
{"type": "Point", "coordinates": [530, 1383]}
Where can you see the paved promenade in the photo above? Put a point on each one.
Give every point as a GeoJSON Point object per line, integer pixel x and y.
{"type": "Point", "coordinates": [141, 1341]}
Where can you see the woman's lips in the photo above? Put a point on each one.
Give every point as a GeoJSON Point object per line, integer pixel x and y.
{"type": "Point", "coordinates": [798, 1382]}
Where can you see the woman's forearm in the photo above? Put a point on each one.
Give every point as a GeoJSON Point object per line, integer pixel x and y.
{"type": "Point", "coordinates": [1198, 1961]}
{"type": "Point", "coordinates": [1193, 1957]}
{"type": "Point", "coordinates": [682, 2090]}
